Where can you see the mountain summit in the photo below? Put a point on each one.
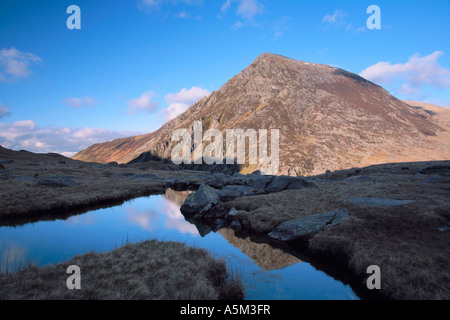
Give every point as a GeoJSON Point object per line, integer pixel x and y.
{"type": "Point", "coordinates": [328, 119]}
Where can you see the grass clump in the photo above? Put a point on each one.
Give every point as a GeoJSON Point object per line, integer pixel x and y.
{"type": "Point", "coordinates": [150, 270]}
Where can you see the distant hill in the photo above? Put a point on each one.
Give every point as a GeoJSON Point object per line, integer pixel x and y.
{"type": "Point", "coordinates": [8, 154]}
{"type": "Point", "coordinates": [329, 119]}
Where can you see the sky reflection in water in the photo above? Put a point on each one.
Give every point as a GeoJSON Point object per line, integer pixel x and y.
{"type": "Point", "coordinates": [268, 273]}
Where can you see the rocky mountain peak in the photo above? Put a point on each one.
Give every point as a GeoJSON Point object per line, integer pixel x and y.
{"type": "Point", "coordinates": [328, 118]}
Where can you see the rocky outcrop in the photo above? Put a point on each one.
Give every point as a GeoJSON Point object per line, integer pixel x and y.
{"type": "Point", "coordinates": [304, 228]}
{"type": "Point", "coordinates": [205, 199]}
{"type": "Point", "coordinates": [287, 183]}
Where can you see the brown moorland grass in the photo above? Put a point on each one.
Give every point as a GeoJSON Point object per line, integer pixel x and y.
{"type": "Point", "coordinates": [149, 270]}
{"type": "Point", "coordinates": [21, 198]}
{"type": "Point", "coordinates": [410, 243]}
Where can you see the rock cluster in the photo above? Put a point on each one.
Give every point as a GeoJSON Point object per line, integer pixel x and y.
{"type": "Point", "coordinates": [206, 205]}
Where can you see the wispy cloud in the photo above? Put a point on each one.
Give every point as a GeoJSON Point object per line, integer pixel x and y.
{"type": "Point", "coordinates": [279, 27]}
{"type": "Point", "coordinates": [335, 19]}
{"type": "Point", "coordinates": [15, 64]}
{"type": "Point", "coordinates": [143, 104]}
{"type": "Point", "coordinates": [412, 75]}
{"type": "Point", "coordinates": [180, 102]}
{"type": "Point", "coordinates": [156, 5]}
{"type": "Point", "coordinates": [143, 218]}
{"type": "Point", "coordinates": [84, 102]}
{"type": "Point", "coordinates": [4, 111]}
{"type": "Point", "coordinates": [27, 135]}
{"type": "Point", "coordinates": [246, 10]}
{"type": "Point", "coordinates": [338, 20]}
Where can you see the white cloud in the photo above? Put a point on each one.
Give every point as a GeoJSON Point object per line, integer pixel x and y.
{"type": "Point", "coordinates": [143, 103]}
{"type": "Point", "coordinates": [15, 64]}
{"type": "Point", "coordinates": [247, 10]}
{"type": "Point", "coordinates": [80, 102]}
{"type": "Point", "coordinates": [226, 6]}
{"type": "Point", "coordinates": [176, 221]}
{"type": "Point", "coordinates": [279, 27]}
{"type": "Point", "coordinates": [180, 102]}
{"type": "Point", "coordinates": [411, 76]}
{"type": "Point", "coordinates": [4, 111]}
{"type": "Point", "coordinates": [189, 96]}
{"type": "Point", "coordinates": [151, 5]}
{"type": "Point", "coordinates": [29, 136]}
{"type": "Point", "coordinates": [335, 19]}
{"type": "Point", "coordinates": [143, 218]}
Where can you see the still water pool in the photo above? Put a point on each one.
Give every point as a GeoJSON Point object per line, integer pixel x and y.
{"type": "Point", "coordinates": [268, 273]}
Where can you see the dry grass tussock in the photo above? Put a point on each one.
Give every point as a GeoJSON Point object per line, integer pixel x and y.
{"type": "Point", "coordinates": [149, 270]}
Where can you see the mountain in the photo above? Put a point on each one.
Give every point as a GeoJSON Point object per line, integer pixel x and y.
{"type": "Point", "coordinates": [329, 119]}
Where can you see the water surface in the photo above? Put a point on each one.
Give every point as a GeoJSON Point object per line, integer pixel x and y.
{"type": "Point", "coordinates": [268, 273]}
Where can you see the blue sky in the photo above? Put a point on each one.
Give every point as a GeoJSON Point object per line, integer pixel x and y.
{"type": "Point", "coordinates": [134, 64]}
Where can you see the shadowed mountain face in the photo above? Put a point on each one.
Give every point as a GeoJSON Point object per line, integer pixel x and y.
{"type": "Point", "coordinates": [328, 118]}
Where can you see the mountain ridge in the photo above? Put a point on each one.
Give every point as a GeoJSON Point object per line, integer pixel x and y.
{"type": "Point", "coordinates": [329, 119]}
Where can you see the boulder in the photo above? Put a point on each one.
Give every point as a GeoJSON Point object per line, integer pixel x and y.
{"type": "Point", "coordinates": [229, 193]}
{"type": "Point", "coordinates": [281, 183]}
{"type": "Point", "coordinates": [261, 182]}
{"type": "Point", "coordinates": [236, 225]}
{"type": "Point", "coordinates": [200, 202]}
{"type": "Point", "coordinates": [278, 184]}
{"type": "Point", "coordinates": [177, 184]}
{"type": "Point", "coordinates": [299, 183]}
{"type": "Point", "coordinates": [306, 227]}
{"type": "Point", "coordinates": [218, 181]}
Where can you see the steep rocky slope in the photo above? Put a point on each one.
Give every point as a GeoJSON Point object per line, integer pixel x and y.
{"type": "Point", "coordinates": [329, 119]}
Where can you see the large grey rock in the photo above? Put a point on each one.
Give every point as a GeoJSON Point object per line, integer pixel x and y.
{"type": "Point", "coordinates": [260, 182]}
{"type": "Point", "coordinates": [218, 181]}
{"type": "Point", "coordinates": [236, 225]}
{"type": "Point", "coordinates": [278, 184]}
{"type": "Point", "coordinates": [177, 184]}
{"type": "Point", "coordinates": [200, 202]}
{"type": "Point", "coordinates": [306, 227]}
{"type": "Point", "coordinates": [281, 183]}
{"type": "Point", "coordinates": [229, 193]}
{"type": "Point", "coordinates": [379, 203]}
{"type": "Point", "coordinates": [299, 183]}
